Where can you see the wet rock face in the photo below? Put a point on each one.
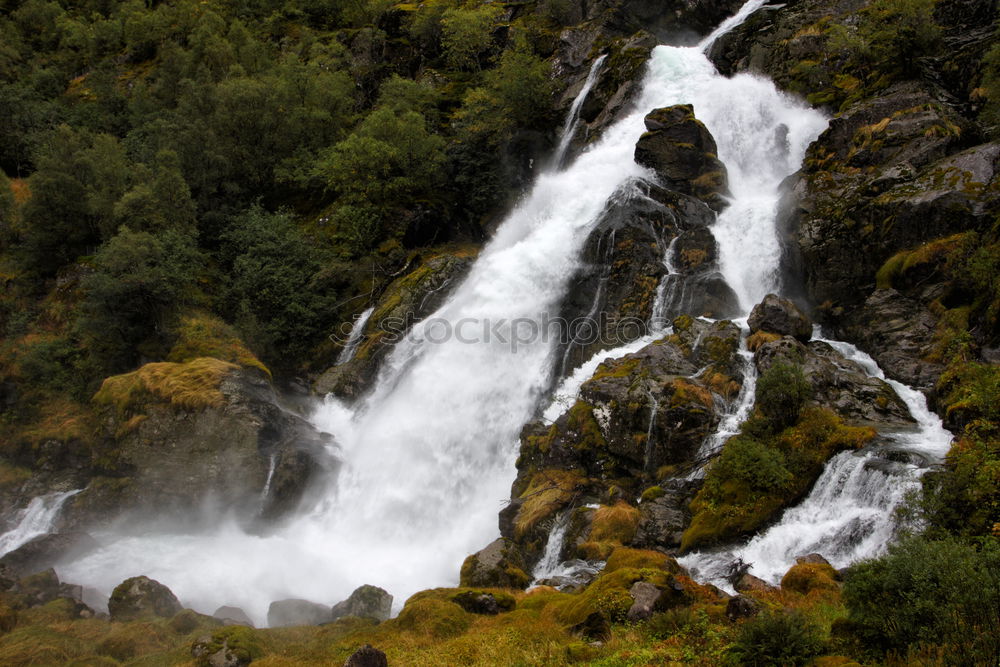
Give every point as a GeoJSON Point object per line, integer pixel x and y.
{"type": "Point", "coordinates": [780, 316]}
{"type": "Point", "coordinates": [682, 152]}
{"type": "Point", "coordinates": [426, 284]}
{"type": "Point", "coordinates": [899, 332]}
{"type": "Point", "coordinates": [838, 383]}
{"type": "Point", "coordinates": [140, 597]}
{"type": "Point", "coordinates": [365, 602]}
{"type": "Point", "coordinates": [174, 460]}
{"type": "Point", "coordinates": [612, 297]}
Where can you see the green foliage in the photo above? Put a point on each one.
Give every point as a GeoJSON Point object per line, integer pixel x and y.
{"type": "Point", "coordinates": [990, 88]}
{"type": "Point", "coordinates": [777, 638]}
{"type": "Point", "coordinates": [943, 593]}
{"type": "Point", "coordinates": [782, 391]}
{"type": "Point", "coordinates": [748, 460]}
{"type": "Point", "coordinates": [276, 294]}
{"type": "Point", "coordinates": [467, 33]}
{"type": "Point", "coordinates": [79, 179]}
{"type": "Point", "coordinates": [897, 32]}
{"type": "Point", "coordinates": [139, 280]}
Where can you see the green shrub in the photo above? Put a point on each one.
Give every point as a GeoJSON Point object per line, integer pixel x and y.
{"type": "Point", "coordinates": [923, 592]}
{"type": "Point", "coordinates": [777, 638]}
{"type": "Point", "coordinates": [782, 391]}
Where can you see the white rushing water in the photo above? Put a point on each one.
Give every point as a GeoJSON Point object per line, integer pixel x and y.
{"type": "Point", "coordinates": [428, 458]}
{"type": "Point", "coordinates": [37, 518]}
{"type": "Point", "coordinates": [351, 346]}
{"type": "Point", "coordinates": [573, 117]}
{"type": "Point", "coordinates": [850, 514]}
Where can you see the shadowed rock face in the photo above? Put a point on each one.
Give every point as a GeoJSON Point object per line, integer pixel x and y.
{"type": "Point", "coordinates": [682, 152]}
{"type": "Point", "coordinates": [174, 461]}
{"type": "Point", "coordinates": [780, 316]}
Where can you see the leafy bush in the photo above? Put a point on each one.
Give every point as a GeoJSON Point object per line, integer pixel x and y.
{"type": "Point", "coordinates": [777, 638]}
{"type": "Point", "coordinates": [943, 593]}
{"type": "Point", "coordinates": [782, 391]}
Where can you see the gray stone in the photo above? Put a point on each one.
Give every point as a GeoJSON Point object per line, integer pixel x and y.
{"type": "Point", "coordinates": [140, 597]}
{"type": "Point", "coordinates": [644, 597]}
{"type": "Point", "coordinates": [365, 602]}
{"type": "Point", "coordinates": [367, 656]}
{"type": "Point", "coordinates": [285, 613]}
{"type": "Point", "coordinates": [779, 315]}
{"type": "Point", "coordinates": [232, 616]}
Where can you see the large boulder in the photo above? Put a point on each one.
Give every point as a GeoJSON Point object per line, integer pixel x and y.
{"type": "Point", "coordinates": [232, 616]}
{"type": "Point", "coordinates": [293, 611]}
{"type": "Point", "coordinates": [682, 152]}
{"type": "Point", "coordinates": [623, 287]}
{"type": "Point", "coordinates": [179, 434]}
{"type": "Point", "coordinates": [365, 602]}
{"type": "Point", "coordinates": [780, 316]}
{"type": "Point", "coordinates": [140, 597]}
{"type": "Point", "coordinates": [498, 565]}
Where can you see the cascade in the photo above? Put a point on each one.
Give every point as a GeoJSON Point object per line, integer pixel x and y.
{"type": "Point", "coordinates": [351, 346]}
{"type": "Point", "coordinates": [850, 513]}
{"type": "Point", "coordinates": [37, 518]}
{"type": "Point", "coordinates": [573, 117]}
{"type": "Point", "coordinates": [428, 456]}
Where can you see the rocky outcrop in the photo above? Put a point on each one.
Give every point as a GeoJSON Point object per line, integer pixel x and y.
{"type": "Point", "coordinates": [780, 316]}
{"type": "Point", "coordinates": [682, 152]}
{"type": "Point", "coordinates": [141, 597]}
{"type": "Point", "coordinates": [293, 611]}
{"type": "Point", "coordinates": [613, 298]}
{"type": "Point", "coordinates": [837, 383]}
{"type": "Point", "coordinates": [232, 616]}
{"type": "Point", "coordinates": [499, 565]}
{"type": "Point", "coordinates": [425, 285]}
{"type": "Point", "coordinates": [44, 551]}
{"type": "Point", "coordinates": [179, 436]}
{"type": "Point", "coordinates": [365, 602]}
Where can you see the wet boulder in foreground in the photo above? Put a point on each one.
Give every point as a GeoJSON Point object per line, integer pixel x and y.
{"type": "Point", "coordinates": [139, 597]}
{"type": "Point", "coordinates": [778, 315]}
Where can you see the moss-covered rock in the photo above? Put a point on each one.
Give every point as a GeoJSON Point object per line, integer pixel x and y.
{"type": "Point", "coordinates": [175, 433]}
{"type": "Point", "coordinates": [805, 578]}
{"type": "Point", "coordinates": [499, 565]}
{"type": "Point", "coordinates": [140, 597]}
{"type": "Point", "coordinates": [682, 152]}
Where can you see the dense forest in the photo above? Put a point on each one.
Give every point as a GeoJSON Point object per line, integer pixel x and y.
{"type": "Point", "coordinates": [189, 188]}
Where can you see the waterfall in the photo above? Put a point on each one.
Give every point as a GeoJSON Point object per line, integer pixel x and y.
{"type": "Point", "coordinates": [428, 456]}
{"type": "Point", "coordinates": [850, 512]}
{"type": "Point", "coordinates": [573, 117]}
{"type": "Point", "coordinates": [737, 411]}
{"type": "Point", "coordinates": [351, 346]}
{"type": "Point", "coordinates": [38, 518]}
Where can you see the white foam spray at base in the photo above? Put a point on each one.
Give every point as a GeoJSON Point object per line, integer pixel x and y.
{"type": "Point", "coordinates": [428, 458]}
{"type": "Point", "coordinates": [850, 514]}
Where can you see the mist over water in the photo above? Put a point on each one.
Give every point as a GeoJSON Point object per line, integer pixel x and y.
{"type": "Point", "coordinates": [428, 457]}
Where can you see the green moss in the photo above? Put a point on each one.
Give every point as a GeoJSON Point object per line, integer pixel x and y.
{"type": "Point", "coordinates": [547, 493]}
{"type": "Point", "coordinates": [652, 493]}
{"type": "Point", "coordinates": [193, 385]}
{"type": "Point", "coordinates": [805, 578]}
{"type": "Point", "coordinates": [624, 557]}
{"type": "Point", "coordinates": [755, 477]}
{"type": "Point", "coordinates": [205, 335]}
{"type": "Point", "coordinates": [238, 643]}
{"type": "Point", "coordinates": [435, 618]}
